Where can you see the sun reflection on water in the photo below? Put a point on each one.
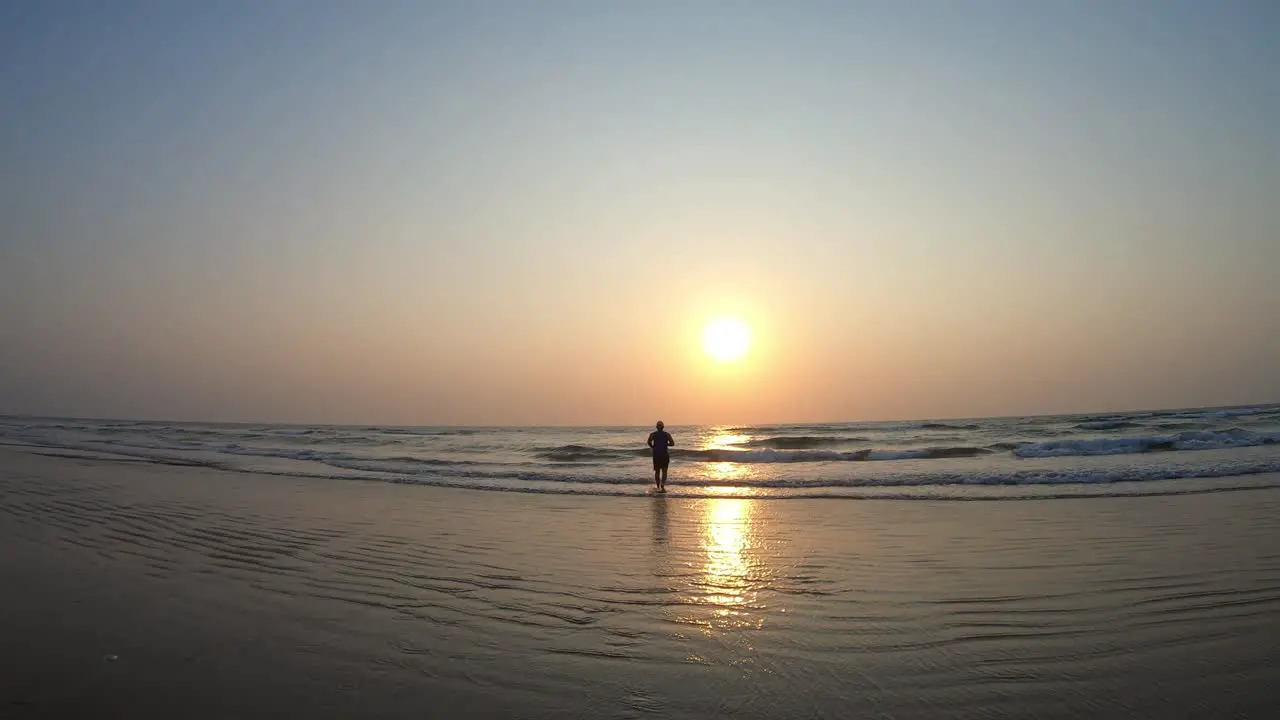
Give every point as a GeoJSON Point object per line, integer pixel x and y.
{"type": "Point", "coordinates": [721, 441]}
{"type": "Point", "coordinates": [726, 471]}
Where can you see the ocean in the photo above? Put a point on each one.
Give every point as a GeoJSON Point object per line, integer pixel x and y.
{"type": "Point", "coordinates": [1107, 454]}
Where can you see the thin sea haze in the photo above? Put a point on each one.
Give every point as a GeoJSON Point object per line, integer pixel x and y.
{"type": "Point", "coordinates": [1134, 453]}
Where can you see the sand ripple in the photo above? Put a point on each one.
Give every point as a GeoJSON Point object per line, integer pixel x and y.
{"type": "Point", "coordinates": [673, 607]}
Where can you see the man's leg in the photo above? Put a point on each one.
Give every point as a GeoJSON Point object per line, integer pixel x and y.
{"type": "Point", "coordinates": [663, 484]}
{"type": "Point", "coordinates": [656, 482]}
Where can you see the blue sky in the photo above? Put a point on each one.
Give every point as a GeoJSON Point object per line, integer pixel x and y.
{"type": "Point", "coordinates": [501, 212]}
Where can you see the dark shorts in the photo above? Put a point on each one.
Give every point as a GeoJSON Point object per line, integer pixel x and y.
{"type": "Point", "coordinates": [660, 462]}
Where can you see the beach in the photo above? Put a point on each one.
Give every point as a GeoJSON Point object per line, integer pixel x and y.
{"type": "Point", "coordinates": [337, 338]}
{"type": "Point", "coordinates": [151, 590]}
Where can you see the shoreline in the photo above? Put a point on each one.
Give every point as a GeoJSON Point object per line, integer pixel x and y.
{"type": "Point", "coordinates": [958, 491]}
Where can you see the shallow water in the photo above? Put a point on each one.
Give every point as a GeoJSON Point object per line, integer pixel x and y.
{"type": "Point", "coordinates": [1166, 452]}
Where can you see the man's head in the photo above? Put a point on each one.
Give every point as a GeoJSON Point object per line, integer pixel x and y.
{"type": "Point", "coordinates": [659, 424]}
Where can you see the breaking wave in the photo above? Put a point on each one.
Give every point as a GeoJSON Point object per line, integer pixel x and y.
{"type": "Point", "coordinates": [1191, 440]}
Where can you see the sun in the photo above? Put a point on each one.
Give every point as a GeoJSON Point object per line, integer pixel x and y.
{"type": "Point", "coordinates": [726, 339]}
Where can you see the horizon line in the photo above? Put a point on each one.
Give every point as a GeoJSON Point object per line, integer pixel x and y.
{"type": "Point", "coordinates": [1274, 403]}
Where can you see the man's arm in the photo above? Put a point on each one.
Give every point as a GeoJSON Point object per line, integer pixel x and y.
{"type": "Point", "coordinates": [650, 442]}
{"type": "Point", "coordinates": [671, 441]}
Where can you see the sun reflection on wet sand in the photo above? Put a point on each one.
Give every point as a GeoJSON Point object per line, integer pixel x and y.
{"type": "Point", "coordinates": [719, 571]}
{"type": "Point", "coordinates": [728, 575]}
{"type": "Point", "coordinates": [725, 543]}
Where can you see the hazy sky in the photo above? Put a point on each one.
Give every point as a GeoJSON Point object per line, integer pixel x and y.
{"type": "Point", "coordinates": [524, 212]}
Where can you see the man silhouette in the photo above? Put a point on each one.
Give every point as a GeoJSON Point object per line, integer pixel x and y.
{"type": "Point", "coordinates": [660, 440]}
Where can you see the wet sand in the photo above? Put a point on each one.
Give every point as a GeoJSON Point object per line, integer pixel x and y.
{"type": "Point", "coordinates": [142, 590]}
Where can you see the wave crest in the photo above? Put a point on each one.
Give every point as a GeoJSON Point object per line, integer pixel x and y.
{"type": "Point", "coordinates": [802, 442]}
{"type": "Point", "coordinates": [581, 453]}
{"type": "Point", "coordinates": [1191, 440]}
{"type": "Point", "coordinates": [792, 456]}
{"type": "Point", "coordinates": [1106, 425]}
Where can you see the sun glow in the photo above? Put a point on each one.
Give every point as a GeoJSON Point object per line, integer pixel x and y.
{"type": "Point", "coordinates": [726, 339]}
